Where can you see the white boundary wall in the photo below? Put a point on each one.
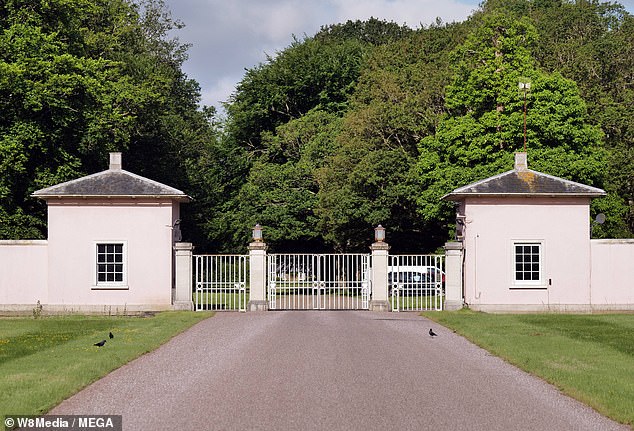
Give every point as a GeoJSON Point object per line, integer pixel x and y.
{"type": "Point", "coordinates": [24, 279]}
{"type": "Point", "coordinates": [612, 276]}
{"type": "Point", "coordinates": [23, 273]}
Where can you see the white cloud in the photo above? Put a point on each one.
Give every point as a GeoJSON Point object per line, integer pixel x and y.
{"type": "Point", "coordinates": [219, 90]}
{"type": "Point", "coordinates": [278, 24]}
{"type": "Point", "coordinates": [231, 35]}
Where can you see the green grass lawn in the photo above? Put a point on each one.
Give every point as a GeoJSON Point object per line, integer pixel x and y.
{"type": "Point", "coordinates": [220, 301]}
{"type": "Point", "coordinates": [423, 302]}
{"type": "Point", "coordinates": [45, 360]}
{"type": "Point", "coordinates": [589, 357]}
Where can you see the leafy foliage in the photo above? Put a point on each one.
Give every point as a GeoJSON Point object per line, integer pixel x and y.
{"type": "Point", "coordinates": [306, 75]}
{"type": "Point", "coordinates": [370, 178]}
{"type": "Point", "coordinates": [484, 123]}
{"type": "Point", "coordinates": [365, 122]}
{"type": "Point", "coordinates": [592, 43]}
{"type": "Point", "coordinates": [422, 113]}
{"type": "Point", "coordinates": [79, 79]}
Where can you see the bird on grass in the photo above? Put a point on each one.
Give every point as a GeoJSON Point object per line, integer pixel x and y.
{"type": "Point", "coordinates": [110, 335]}
{"type": "Point", "coordinates": [100, 344]}
{"type": "Point", "coordinates": [432, 333]}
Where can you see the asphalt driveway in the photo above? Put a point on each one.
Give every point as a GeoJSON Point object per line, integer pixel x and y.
{"type": "Point", "coordinates": [327, 371]}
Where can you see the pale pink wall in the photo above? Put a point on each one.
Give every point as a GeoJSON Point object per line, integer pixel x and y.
{"type": "Point", "coordinates": [23, 273]}
{"type": "Point", "coordinates": [75, 225]}
{"type": "Point", "coordinates": [612, 272]}
{"type": "Point", "coordinates": [491, 226]}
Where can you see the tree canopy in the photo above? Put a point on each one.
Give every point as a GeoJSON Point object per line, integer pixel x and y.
{"type": "Point", "coordinates": [81, 78]}
{"type": "Point", "coordinates": [484, 120]}
{"type": "Point", "coordinates": [365, 122]}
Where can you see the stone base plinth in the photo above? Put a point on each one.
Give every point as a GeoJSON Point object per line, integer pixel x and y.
{"type": "Point", "coordinates": [257, 306]}
{"type": "Point", "coordinates": [183, 306]}
{"type": "Point", "coordinates": [453, 305]}
{"type": "Point", "coordinates": [379, 305]}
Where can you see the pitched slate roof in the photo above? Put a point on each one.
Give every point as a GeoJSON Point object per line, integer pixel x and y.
{"type": "Point", "coordinates": [522, 181]}
{"type": "Point", "coordinates": [112, 183]}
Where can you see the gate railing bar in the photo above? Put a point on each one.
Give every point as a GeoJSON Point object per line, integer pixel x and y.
{"type": "Point", "coordinates": [221, 282]}
{"type": "Point", "coordinates": [318, 281]}
{"type": "Point", "coordinates": [416, 282]}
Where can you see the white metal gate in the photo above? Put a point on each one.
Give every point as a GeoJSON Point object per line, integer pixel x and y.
{"type": "Point", "coordinates": [416, 282]}
{"type": "Point", "coordinates": [318, 281]}
{"type": "Point", "coordinates": [221, 282]}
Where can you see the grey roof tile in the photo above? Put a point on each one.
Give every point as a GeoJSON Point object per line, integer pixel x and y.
{"type": "Point", "coordinates": [112, 183]}
{"type": "Point", "coordinates": [524, 182]}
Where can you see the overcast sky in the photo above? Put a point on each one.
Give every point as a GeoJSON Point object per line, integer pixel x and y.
{"type": "Point", "coordinates": [229, 36]}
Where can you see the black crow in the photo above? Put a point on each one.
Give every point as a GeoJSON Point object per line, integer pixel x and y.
{"type": "Point", "coordinates": [432, 333]}
{"type": "Point", "coordinates": [100, 344]}
{"type": "Point", "coordinates": [111, 336]}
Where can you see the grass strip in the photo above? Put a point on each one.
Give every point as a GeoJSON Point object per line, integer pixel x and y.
{"type": "Point", "coordinates": [44, 361]}
{"type": "Point", "coordinates": [589, 357]}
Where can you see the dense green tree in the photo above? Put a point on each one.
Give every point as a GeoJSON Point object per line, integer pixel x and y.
{"type": "Point", "coordinates": [286, 113]}
{"type": "Point", "coordinates": [280, 191]}
{"type": "Point", "coordinates": [315, 72]}
{"type": "Point", "coordinates": [410, 121]}
{"type": "Point", "coordinates": [81, 78]}
{"type": "Point", "coordinates": [365, 122]}
{"type": "Point", "coordinates": [484, 124]}
{"type": "Point", "coordinates": [592, 43]}
{"type": "Point", "coordinates": [373, 32]}
{"type": "Point", "coordinates": [308, 74]}
{"type": "Point", "coordinates": [43, 93]}
{"type": "Point", "coordinates": [370, 178]}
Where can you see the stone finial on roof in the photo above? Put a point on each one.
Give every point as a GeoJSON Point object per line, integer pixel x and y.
{"type": "Point", "coordinates": [115, 162]}
{"type": "Point", "coordinates": [521, 161]}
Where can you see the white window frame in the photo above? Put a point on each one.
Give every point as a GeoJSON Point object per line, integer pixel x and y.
{"type": "Point", "coordinates": [123, 284]}
{"type": "Point", "coordinates": [527, 284]}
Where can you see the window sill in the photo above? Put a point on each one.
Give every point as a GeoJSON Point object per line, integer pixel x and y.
{"type": "Point", "coordinates": [110, 287]}
{"type": "Point", "coordinates": [529, 287]}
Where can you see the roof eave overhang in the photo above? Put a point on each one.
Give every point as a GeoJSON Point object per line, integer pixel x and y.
{"type": "Point", "coordinates": [461, 196]}
{"type": "Point", "coordinates": [179, 198]}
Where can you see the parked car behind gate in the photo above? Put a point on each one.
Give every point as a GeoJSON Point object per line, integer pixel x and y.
{"type": "Point", "coordinates": [416, 280]}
